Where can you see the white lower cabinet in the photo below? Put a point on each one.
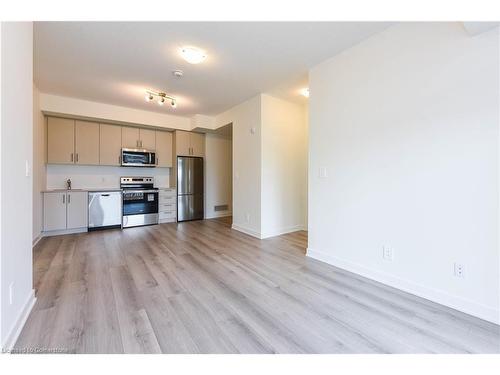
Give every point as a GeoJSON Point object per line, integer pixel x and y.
{"type": "Point", "coordinates": [54, 211]}
{"type": "Point", "coordinates": [77, 210]}
{"type": "Point", "coordinates": [167, 205]}
{"type": "Point", "coordinates": [65, 210]}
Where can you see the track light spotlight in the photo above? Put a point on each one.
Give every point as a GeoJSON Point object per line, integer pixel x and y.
{"type": "Point", "coordinates": [161, 98]}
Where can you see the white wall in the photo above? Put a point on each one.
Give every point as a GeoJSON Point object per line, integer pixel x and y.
{"type": "Point", "coordinates": [39, 171]}
{"type": "Point", "coordinates": [284, 155]}
{"type": "Point", "coordinates": [246, 163]}
{"type": "Point", "coordinates": [269, 164]}
{"type": "Point", "coordinates": [97, 176]}
{"type": "Point", "coordinates": [406, 125]}
{"type": "Point", "coordinates": [218, 174]}
{"type": "Point", "coordinates": [61, 105]}
{"type": "Point", "coordinates": [16, 149]}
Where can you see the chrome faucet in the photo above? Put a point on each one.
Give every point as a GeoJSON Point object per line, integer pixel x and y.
{"type": "Point", "coordinates": [68, 184]}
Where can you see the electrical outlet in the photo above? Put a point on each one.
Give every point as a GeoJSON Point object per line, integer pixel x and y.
{"type": "Point", "coordinates": [387, 253]}
{"type": "Point", "coordinates": [459, 270]}
{"type": "Point", "coordinates": [11, 293]}
{"type": "Point", "coordinates": [247, 217]}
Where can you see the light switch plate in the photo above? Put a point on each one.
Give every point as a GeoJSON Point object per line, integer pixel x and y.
{"type": "Point", "coordinates": [11, 293]}
{"type": "Point", "coordinates": [322, 172]}
{"type": "Point", "coordinates": [27, 168]}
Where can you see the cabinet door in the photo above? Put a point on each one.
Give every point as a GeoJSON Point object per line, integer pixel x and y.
{"type": "Point", "coordinates": [110, 141]}
{"type": "Point", "coordinates": [60, 140]}
{"type": "Point", "coordinates": [130, 137]}
{"type": "Point", "coordinates": [147, 139]}
{"type": "Point", "coordinates": [54, 211]}
{"type": "Point", "coordinates": [197, 144]}
{"type": "Point", "coordinates": [182, 143]}
{"type": "Point", "coordinates": [164, 149]}
{"type": "Point", "coordinates": [77, 212]}
{"type": "Point", "coordinates": [86, 143]}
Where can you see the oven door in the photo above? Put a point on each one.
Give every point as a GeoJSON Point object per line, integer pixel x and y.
{"type": "Point", "coordinates": [138, 158]}
{"type": "Point", "coordinates": [138, 202]}
{"type": "Point", "coordinates": [140, 208]}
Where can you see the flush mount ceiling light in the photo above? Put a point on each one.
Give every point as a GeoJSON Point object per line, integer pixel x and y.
{"type": "Point", "coordinates": [193, 55]}
{"type": "Point", "coordinates": [161, 98]}
{"type": "Point", "coordinates": [305, 92]}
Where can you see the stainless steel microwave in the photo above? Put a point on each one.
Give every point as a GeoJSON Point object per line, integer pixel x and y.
{"type": "Point", "coordinates": [132, 157]}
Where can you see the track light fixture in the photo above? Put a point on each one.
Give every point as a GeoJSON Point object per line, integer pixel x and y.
{"type": "Point", "coordinates": [161, 96]}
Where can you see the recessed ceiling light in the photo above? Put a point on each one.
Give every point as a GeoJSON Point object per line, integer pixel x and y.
{"type": "Point", "coordinates": [178, 73]}
{"type": "Point", "coordinates": [193, 55]}
{"type": "Point", "coordinates": [305, 92]}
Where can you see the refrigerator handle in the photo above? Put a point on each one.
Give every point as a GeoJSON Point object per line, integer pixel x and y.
{"type": "Point", "coordinates": [191, 172]}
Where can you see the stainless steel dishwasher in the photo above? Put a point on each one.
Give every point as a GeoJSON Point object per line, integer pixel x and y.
{"type": "Point", "coordinates": [105, 209]}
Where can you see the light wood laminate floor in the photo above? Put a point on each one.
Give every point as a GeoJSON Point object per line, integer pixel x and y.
{"type": "Point", "coordinates": [200, 287]}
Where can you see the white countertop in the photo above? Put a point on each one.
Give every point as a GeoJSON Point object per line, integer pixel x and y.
{"type": "Point", "coordinates": [94, 189]}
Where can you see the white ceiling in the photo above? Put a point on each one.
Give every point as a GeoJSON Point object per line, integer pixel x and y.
{"type": "Point", "coordinates": [114, 62]}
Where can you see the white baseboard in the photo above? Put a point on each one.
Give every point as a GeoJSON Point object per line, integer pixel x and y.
{"type": "Point", "coordinates": [435, 295]}
{"type": "Point", "coordinates": [219, 214]}
{"type": "Point", "coordinates": [248, 231]}
{"type": "Point", "coordinates": [64, 231]}
{"type": "Point", "coordinates": [262, 236]}
{"type": "Point", "coordinates": [281, 231]}
{"type": "Point", "coordinates": [14, 333]}
{"type": "Point", "coordinates": [37, 239]}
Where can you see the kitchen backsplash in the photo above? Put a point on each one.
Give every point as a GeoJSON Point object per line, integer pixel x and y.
{"type": "Point", "coordinates": [87, 176]}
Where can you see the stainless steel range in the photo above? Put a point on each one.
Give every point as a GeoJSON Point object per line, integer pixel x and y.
{"type": "Point", "coordinates": [140, 201]}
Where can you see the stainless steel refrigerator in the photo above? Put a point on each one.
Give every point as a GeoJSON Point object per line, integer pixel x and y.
{"type": "Point", "coordinates": [190, 205]}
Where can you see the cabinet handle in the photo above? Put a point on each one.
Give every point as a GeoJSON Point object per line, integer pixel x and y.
{"type": "Point", "coordinates": [141, 142]}
{"type": "Point", "coordinates": [64, 198]}
{"type": "Point", "coordinates": [69, 198]}
{"type": "Point", "coordinates": [120, 160]}
{"type": "Point", "coordinates": [77, 157]}
{"type": "Point", "coordinates": [72, 157]}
